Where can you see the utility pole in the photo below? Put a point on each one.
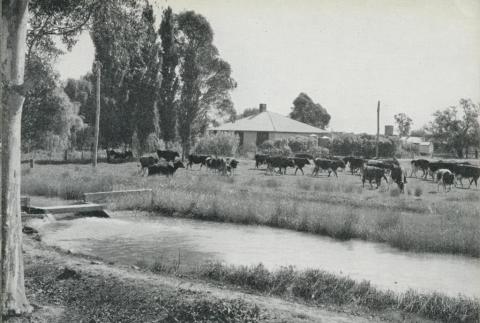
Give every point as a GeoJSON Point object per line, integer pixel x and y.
{"type": "Point", "coordinates": [98, 67]}
{"type": "Point", "coordinates": [378, 128]}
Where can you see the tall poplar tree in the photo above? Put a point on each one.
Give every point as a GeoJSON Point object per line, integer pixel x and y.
{"type": "Point", "coordinates": [169, 87]}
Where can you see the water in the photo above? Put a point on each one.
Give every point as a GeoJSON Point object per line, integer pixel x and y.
{"type": "Point", "coordinates": [132, 239]}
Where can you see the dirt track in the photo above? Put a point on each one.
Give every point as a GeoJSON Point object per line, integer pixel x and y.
{"type": "Point", "coordinates": [115, 293]}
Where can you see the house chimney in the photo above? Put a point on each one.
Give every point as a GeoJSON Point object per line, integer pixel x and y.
{"type": "Point", "coordinates": [262, 107]}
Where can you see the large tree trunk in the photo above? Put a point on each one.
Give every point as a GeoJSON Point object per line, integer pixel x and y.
{"type": "Point", "coordinates": [12, 59]}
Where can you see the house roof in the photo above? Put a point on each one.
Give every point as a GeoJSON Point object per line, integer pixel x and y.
{"type": "Point", "coordinates": [269, 122]}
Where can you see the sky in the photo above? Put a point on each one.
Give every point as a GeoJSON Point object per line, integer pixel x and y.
{"type": "Point", "coordinates": [414, 56]}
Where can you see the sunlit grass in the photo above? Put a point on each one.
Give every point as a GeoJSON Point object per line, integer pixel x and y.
{"type": "Point", "coordinates": [336, 207]}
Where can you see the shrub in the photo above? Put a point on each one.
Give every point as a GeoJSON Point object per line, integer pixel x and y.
{"type": "Point", "coordinates": [278, 147]}
{"type": "Point", "coordinates": [302, 144]}
{"type": "Point", "coordinates": [220, 144]}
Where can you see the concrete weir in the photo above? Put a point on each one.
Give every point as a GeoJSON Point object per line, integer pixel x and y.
{"type": "Point", "coordinates": [82, 209]}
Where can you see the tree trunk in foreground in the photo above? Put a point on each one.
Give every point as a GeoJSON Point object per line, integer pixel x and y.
{"type": "Point", "coordinates": [12, 59]}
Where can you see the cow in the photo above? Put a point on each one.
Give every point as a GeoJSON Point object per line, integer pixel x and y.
{"type": "Point", "coordinates": [147, 161]}
{"type": "Point", "coordinates": [433, 167]}
{"type": "Point", "coordinates": [279, 162]}
{"type": "Point", "coordinates": [444, 177]}
{"type": "Point", "coordinates": [373, 173]}
{"type": "Point", "coordinates": [217, 164]}
{"type": "Point", "coordinates": [304, 155]}
{"type": "Point", "coordinates": [231, 165]}
{"type": "Point", "coordinates": [467, 171]}
{"type": "Point", "coordinates": [338, 163]}
{"type": "Point", "coordinates": [326, 164]}
{"type": "Point", "coordinates": [354, 163]}
{"type": "Point", "coordinates": [168, 155]}
{"type": "Point", "coordinates": [419, 164]}
{"type": "Point", "coordinates": [385, 164]}
{"type": "Point", "coordinates": [165, 168]}
{"type": "Point", "coordinates": [197, 159]}
{"type": "Point", "coordinates": [399, 177]}
{"type": "Point", "coordinates": [260, 159]}
{"type": "Point", "coordinates": [299, 163]}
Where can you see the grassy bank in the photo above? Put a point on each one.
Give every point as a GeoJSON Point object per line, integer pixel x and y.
{"type": "Point", "coordinates": [321, 288]}
{"type": "Point", "coordinates": [420, 220]}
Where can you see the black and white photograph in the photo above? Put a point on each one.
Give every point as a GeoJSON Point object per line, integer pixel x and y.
{"type": "Point", "coordinates": [217, 161]}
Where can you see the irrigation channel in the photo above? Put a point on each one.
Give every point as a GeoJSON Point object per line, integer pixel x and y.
{"type": "Point", "coordinates": [133, 237]}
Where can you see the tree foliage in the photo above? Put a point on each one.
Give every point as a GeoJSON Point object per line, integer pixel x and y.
{"type": "Point", "coordinates": [47, 111]}
{"type": "Point", "coordinates": [169, 86]}
{"type": "Point", "coordinates": [309, 112]}
{"type": "Point", "coordinates": [404, 124]}
{"type": "Point", "coordinates": [126, 46]}
{"type": "Point", "coordinates": [362, 145]}
{"type": "Point", "coordinates": [456, 133]}
{"type": "Point", "coordinates": [205, 79]}
{"type": "Point", "coordinates": [220, 144]}
{"type": "Point", "coordinates": [248, 112]}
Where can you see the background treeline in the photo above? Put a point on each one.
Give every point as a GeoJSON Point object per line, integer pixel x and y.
{"type": "Point", "coordinates": [158, 84]}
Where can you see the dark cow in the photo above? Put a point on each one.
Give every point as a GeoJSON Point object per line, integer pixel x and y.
{"type": "Point", "coordinates": [419, 164]}
{"type": "Point", "coordinates": [168, 155]}
{"type": "Point", "coordinates": [299, 163]}
{"type": "Point", "coordinates": [354, 163]}
{"type": "Point", "coordinates": [165, 168]}
{"type": "Point", "coordinates": [217, 164]}
{"type": "Point", "coordinates": [338, 163]}
{"type": "Point", "coordinates": [260, 159]}
{"type": "Point", "coordinates": [445, 177]}
{"type": "Point", "coordinates": [280, 163]}
{"type": "Point", "coordinates": [387, 165]}
{"type": "Point", "coordinates": [306, 156]}
{"type": "Point", "coordinates": [197, 159]}
{"type": "Point", "coordinates": [231, 165]}
{"type": "Point", "coordinates": [326, 164]}
{"type": "Point", "coordinates": [147, 161]}
{"type": "Point", "coordinates": [467, 171]}
{"type": "Point", "coordinates": [399, 176]}
{"type": "Point", "coordinates": [373, 173]}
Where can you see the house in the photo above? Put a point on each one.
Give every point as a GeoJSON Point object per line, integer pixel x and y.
{"type": "Point", "coordinates": [423, 147]}
{"type": "Point", "coordinates": [267, 125]}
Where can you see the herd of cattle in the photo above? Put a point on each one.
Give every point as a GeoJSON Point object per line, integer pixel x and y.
{"type": "Point", "coordinates": [372, 170]}
{"type": "Point", "coordinates": [168, 162]}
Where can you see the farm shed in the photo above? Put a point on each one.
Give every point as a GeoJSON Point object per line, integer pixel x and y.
{"type": "Point", "coordinates": [424, 147]}
{"type": "Point", "coordinates": [267, 125]}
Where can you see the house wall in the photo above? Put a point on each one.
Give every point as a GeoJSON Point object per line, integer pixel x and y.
{"type": "Point", "coordinates": [426, 149]}
{"type": "Point", "coordinates": [249, 138]}
{"type": "Point", "coordinates": [285, 135]}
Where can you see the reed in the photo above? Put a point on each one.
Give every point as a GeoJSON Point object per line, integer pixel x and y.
{"type": "Point", "coordinates": [318, 287]}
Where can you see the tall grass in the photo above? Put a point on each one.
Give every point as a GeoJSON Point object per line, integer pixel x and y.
{"type": "Point", "coordinates": [320, 288]}
{"type": "Point", "coordinates": [338, 208]}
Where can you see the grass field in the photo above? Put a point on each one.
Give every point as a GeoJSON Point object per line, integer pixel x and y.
{"type": "Point", "coordinates": [422, 219]}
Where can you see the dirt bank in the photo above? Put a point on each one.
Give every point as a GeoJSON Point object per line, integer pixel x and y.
{"type": "Point", "coordinates": [93, 291]}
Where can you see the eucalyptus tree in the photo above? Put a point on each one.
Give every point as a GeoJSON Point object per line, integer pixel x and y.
{"type": "Point", "coordinates": [48, 18]}
{"type": "Point", "coordinates": [205, 79]}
